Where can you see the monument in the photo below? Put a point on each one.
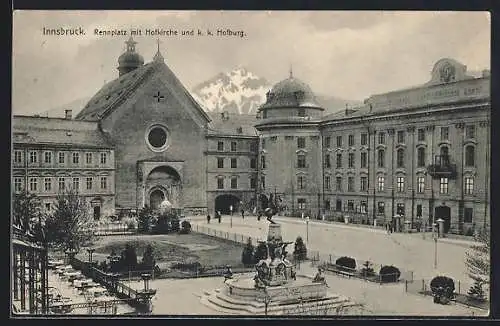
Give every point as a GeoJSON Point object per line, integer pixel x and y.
{"type": "Point", "coordinates": [275, 288]}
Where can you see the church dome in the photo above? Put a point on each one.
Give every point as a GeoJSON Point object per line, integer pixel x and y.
{"type": "Point", "coordinates": [129, 60]}
{"type": "Point", "coordinates": [290, 92]}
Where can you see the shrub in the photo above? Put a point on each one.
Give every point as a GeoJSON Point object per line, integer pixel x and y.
{"type": "Point", "coordinates": [148, 260]}
{"type": "Point", "coordinates": [476, 291]}
{"type": "Point", "coordinates": [185, 227]}
{"type": "Point", "coordinates": [443, 281]}
{"type": "Point", "coordinates": [247, 256]}
{"type": "Point", "coordinates": [129, 257]}
{"type": "Point", "coordinates": [345, 262]}
{"type": "Point", "coordinates": [193, 266]}
{"type": "Point", "coordinates": [260, 252]}
{"type": "Point", "coordinates": [367, 269]}
{"type": "Point", "coordinates": [389, 274]}
{"type": "Point", "coordinates": [300, 250]}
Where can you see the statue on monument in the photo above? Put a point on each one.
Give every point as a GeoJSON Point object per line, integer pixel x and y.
{"type": "Point", "coordinates": [269, 214]}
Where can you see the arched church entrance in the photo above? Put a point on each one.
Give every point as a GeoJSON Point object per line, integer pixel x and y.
{"type": "Point", "coordinates": [162, 183]}
{"type": "Point", "coordinates": [223, 203]}
{"type": "Point", "coordinates": [443, 212]}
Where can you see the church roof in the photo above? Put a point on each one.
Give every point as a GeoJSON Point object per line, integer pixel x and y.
{"type": "Point", "coordinates": [224, 123]}
{"type": "Point", "coordinates": [114, 93]}
{"type": "Point", "coordinates": [59, 132]}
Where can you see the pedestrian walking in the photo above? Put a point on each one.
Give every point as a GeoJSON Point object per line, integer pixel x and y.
{"type": "Point", "coordinates": [242, 213]}
{"type": "Point", "coordinates": [219, 216]}
{"type": "Point", "coordinates": [231, 209]}
{"type": "Point", "coordinates": [208, 218]}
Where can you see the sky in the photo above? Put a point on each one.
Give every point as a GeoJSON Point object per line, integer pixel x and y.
{"type": "Point", "coordinates": [346, 54]}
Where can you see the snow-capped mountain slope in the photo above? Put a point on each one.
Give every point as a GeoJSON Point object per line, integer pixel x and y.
{"type": "Point", "coordinates": [239, 91]}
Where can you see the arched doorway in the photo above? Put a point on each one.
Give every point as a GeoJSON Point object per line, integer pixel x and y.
{"type": "Point", "coordinates": [264, 202]}
{"type": "Point", "coordinates": [443, 212]}
{"type": "Point", "coordinates": [156, 198]}
{"type": "Point", "coordinates": [224, 202]}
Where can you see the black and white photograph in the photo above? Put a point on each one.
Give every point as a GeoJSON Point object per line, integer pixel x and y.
{"type": "Point", "coordinates": [257, 164]}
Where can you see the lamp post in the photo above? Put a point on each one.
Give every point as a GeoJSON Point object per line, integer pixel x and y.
{"type": "Point", "coordinates": [307, 228]}
{"type": "Point", "coordinates": [435, 251]}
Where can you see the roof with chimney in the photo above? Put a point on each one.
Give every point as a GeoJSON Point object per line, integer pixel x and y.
{"type": "Point", "coordinates": [225, 123]}
{"type": "Point", "coordinates": [58, 132]}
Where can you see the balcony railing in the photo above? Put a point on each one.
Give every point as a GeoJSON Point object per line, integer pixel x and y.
{"type": "Point", "coordinates": [442, 168]}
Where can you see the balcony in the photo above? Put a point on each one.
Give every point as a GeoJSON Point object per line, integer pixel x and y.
{"type": "Point", "coordinates": [442, 168]}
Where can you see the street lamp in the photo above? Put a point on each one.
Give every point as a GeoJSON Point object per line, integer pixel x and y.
{"type": "Point", "coordinates": [435, 249]}
{"type": "Point", "coordinates": [307, 228]}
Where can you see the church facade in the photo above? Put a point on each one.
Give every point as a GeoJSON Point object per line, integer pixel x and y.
{"type": "Point", "coordinates": [415, 154]}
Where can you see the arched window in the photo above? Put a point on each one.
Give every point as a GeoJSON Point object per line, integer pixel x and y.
{"type": "Point", "coordinates": [381, 158]}
{"type": "Point", "coordinates": [400, 158]}
{"type": "Point", "coordinates": [469, 155]}
{"type": "Point", "coordinates": [421, 156]}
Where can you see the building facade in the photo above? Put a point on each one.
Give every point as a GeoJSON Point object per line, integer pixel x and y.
{"type": "Point", "coordinates": [416, 155]}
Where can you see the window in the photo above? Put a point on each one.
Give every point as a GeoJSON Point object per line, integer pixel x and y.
{"type": "Point", "coordinates": [18, 184]}
{"type": "Point", "coordinates": [103, 158]}
{"type": "Point", "coordinates": [220, 146]}
{"type": "Point", "coordinates": [338, 182]}
{"type": "Point", "coordinates": [381, 208]}
{"type": "Point", "coordinates": [327, 205]}
{"type": "Point", "coordinates": [469, 155]}
{"type": "Point", "coordinates": [89, 183]}
{"type": "Point", "coordinates": [327, 142]}
{"type": "Point", "coordinates": [220, 183]}
{"type": "Point", "coordinates": [351, 140]}
{"type": "Point", "coordinates": [220, 162]}
{"type": "Point", "coordinates": [76, 184]}
{"type": "Point", "coordinates": [401, 137]}
{"type": "Point", "coordinates": [18, 158]}
{"type": "Point", "coordinates": [104, 182]}
{"type": "Point", "coordinates": [47, 184]}
{"type": "Point", "coordinates": [157, 138]}
{"type": "Point", "coordinates": [420, 156]}
{"type": "Point", "coordinates": [421, 134]}
{"type": "Point", "coordinates": [469, 185]}
{"type": "Point", "coordinates": [327, 161]}
{"type": "Point", "coordinates": [234, 164]}
{"type": "Point", "coordinates": [253, 163]}
{"type": "Point", "coordinates": [350, 184]}
{"type": "Point", "coordinates": [301, 112]}
{"type": "Point", "coordinates": [400, 158]}
{"type": "Point", "coordinates": [253, 146]}
{"type": "Point", "coordinates": [339, 161]}
{"type": "Point", "coordinates": [33, 184]}
{"type": "Point", "coordinates": [380, 183]}
{"type": "Point", "coordinates": [301, 161]}
{"type": "Point", "coordinates": [468, 212]}
{"type": "Point", "coordinates": [364, 139]}
{"type": "Point", "coordinates": [419, 210]}
{"type": "Point", "coordinates": [381, 137]}
{"type": "Point", "coordinates": [47, 158]}
{"type": "Point", "coordinates": [444, 156]}
{"type": "Point", "coordinates": [470, 132]}
{"type": "Point", "coordinates": [234, 146]}
{"type": "Point", "coordinates": [351, 160]}
{"type": "Point", "coordinates": [363, 207]}
{"type": "Point", "coordinates": [263, 144]}
{"type": "Point", "coordinates": [444, 133]}
{"type": "Point", "coordinates": [76, 158]}
{"type": "Point", "coordinates": [301, 182]}
{"type": "Point", "coordinates": [88, 158]}
{"type": "Point", "coordinates": [381, 158]}
{"type": "Point", "coordinates": [363, 183]}
{"type": "Point", "coordinates": [263, 182]}
{"type": "Point", "coordinates": [400, 209]}
{"type": "Point", "coordinates": [301, 142]}
{"type": "Point", "coordinates": [263, 162]}
{"type": "Point", "coordinates": [327, 182]}
{"type": "Point", "coordinates": [61, 157]}
{"type": "Point", "coordinates": [234, 182]}
{"type": "Point", "coordinates": [420, 184]}
{"type": "Point", "coordinates": [401, 184]}
{"type": "Point", "coordinates": [302, 203]}
{"type": "Point", "coordinates": [253, 183]}
{"type": "Point", "coordinates": [364, 160]}
{"type": "Point", "coordinates": [338, 205]}
{"type": "Point", "coordinates": [47, 206]}
{"type": "Point", "coordinates": [443, 186]}
{"type": "Point", "coordinates": [350, 205]}
{"type": "Point", "coordinates": [61, 184]}
{"type": "Point", "coordinates": [33, 157]}
{"type": "Point", "coordinates": [339, 141]}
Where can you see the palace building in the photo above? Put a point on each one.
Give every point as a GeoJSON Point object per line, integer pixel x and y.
{"type": "Point", "coordinates": [417, 154]}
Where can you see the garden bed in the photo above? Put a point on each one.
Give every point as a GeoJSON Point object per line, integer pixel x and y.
{"type": "Point", "coordinates": [340, 270]}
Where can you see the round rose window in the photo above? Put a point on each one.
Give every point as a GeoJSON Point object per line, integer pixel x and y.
{"type": "Point", "coordinates": [157, 138]}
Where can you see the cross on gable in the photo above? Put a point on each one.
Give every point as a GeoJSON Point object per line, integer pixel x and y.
{"type": "Point", "coordinates": [158, 97]}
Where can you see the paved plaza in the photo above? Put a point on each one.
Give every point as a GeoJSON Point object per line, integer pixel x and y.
{"type": "Point", "coordinates": [409, 252]}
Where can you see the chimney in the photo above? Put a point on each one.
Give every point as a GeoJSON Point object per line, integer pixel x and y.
{"type": "Point", "coordinates": [67, 114]}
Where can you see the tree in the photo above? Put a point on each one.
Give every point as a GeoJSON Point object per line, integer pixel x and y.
{"type": "Point", "coordinates": [300, 250]}
{"type": "Point", "coordinates": [70, 226]}
{"type": "Point", "coordinates": [26, 211]}
{"type": "Point", "coordinates": [145, 219]}
{"type": "Point", "coordinates": [129, 257]}
{"type": "Point", "coordinates": [247, 256]}
{"type": "Point", "coordinates": [148, 260]}
{"type": "Point", "coordinates": [478, 258]}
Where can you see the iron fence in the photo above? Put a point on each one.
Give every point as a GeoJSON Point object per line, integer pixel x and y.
{"type": "Point", "coordinates": [113, 229]}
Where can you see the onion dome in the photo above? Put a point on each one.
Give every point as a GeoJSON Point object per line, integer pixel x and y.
{"type": "Point", "coordinates": [130, 59]}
